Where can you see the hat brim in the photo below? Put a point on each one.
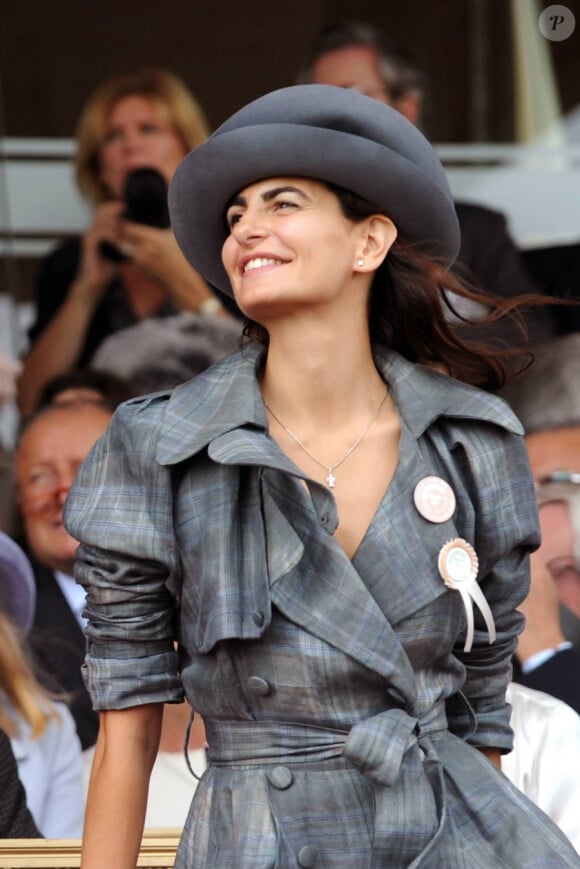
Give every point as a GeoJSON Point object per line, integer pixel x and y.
{"type": "Point", "coordinates": [212, 174]}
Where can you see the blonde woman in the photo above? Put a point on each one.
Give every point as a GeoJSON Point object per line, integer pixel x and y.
{"type": "Point", "coordinates": [145, 120]}
{"type": "Point", "coordinates": [42, 732]}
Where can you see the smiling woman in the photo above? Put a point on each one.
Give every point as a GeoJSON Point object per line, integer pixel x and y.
{"type": "Point", "coordinates": [291, 242]}
{"type": "Point", "coordinates": [335, 532]}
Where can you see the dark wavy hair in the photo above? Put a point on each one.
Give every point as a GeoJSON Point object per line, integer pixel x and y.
{"type": "Point", "coordinates": [408, 303]}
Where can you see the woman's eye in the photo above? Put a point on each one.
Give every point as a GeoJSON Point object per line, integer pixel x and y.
{"type": "Point", "coordinates": [284, 204]}
{"type": "Point", "coordinates": [233, 218]}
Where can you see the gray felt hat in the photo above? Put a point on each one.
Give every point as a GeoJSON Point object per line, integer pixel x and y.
{"type": "Point", "coordinates": [313, 131]}
{"type": "Point", "coordinates": [17, 586]}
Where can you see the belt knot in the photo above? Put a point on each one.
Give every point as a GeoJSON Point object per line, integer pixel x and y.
{"type": "Point", "coordinates": [377, 745]}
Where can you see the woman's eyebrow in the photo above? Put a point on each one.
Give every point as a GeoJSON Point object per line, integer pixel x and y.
{"type": "Point", "coordinates": [241, 201]}
{"type": "Point", "coordinates": [237, 200]}
{"type": "Point", "coordinates": [287, 188]}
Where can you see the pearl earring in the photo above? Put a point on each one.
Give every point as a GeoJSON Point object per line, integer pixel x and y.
{"type": "Point", "coordinates": [360, 263]}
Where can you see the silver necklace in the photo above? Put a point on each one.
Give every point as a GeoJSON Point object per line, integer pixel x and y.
{"type": "Point", "coordinates": [330, 469]}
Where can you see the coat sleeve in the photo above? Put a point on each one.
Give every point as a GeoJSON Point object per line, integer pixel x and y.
{"type": "Point", "coordinates": [120, 510]}
{"type": "Point", "coordinates": [499, 491]}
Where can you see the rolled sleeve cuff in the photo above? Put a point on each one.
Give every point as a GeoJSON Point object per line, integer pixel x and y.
{"type": "Point", "coordinates": [116, 684]}
{"type": "Point", "coordinates": [489, 729]}
{"type": "Point", "coordinates": [494, 731]}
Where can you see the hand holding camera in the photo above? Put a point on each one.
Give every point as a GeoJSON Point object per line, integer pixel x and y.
{"type": "Point", "coordinates": [145, 198]}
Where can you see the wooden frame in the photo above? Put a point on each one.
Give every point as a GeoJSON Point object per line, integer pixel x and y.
{"type": "Point", "coordinates": [157, 852]}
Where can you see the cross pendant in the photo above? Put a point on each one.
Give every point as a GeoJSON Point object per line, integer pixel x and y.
{"type": "Point", "coordinates": [330, 479]}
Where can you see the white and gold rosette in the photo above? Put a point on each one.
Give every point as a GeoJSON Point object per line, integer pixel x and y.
{"type": "Point", "coordinates": [458, 565]}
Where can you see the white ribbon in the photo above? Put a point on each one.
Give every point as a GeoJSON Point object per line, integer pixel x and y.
{"type": "Point", "coordinates": [458, 565]}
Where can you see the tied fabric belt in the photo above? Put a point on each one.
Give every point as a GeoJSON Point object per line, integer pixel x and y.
{"type": "Point", "coordinates": [376, 746]}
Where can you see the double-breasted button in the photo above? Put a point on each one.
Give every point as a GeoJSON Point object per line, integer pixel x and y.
{"type": "Point", "coordinates": [280, 777]}
{"type": "Point", "coordinates": [328, 521]}
{"type": "Point", "coordinates": [257, 685]}
{"type": "Point", "coordinates": [307, 856]}
{"type": "Point", "coordinates": [258, 619]}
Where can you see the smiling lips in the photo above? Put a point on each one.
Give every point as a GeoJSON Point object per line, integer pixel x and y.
{"type": "Point", "coordinates": [259, 262]}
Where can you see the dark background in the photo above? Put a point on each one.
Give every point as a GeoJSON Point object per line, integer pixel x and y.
{"type": "Point", "coordinates": [53, 53]}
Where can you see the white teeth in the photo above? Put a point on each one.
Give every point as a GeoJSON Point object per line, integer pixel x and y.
{"type": "Point", "coordinates": [259, 263]}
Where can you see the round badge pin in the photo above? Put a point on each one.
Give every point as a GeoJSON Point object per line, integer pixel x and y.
{"type": "Point", "coordinates": [434, 499]}
{"type": "Point", "coordinates": [458, 563]}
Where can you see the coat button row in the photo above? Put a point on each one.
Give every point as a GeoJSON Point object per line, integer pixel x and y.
{"type": "Point", "coordinates": [257, 685]}
{"type": "Point", "coordinates": [307, 857]}
{"type": "Point", "coordinates": [258, 619]}
{"type": "Point", "coordinates": [280, 777]}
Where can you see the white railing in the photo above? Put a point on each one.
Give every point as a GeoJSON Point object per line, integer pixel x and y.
{"type": "Point", "coordinates": [39, 201]}
{"type": "Point", "coordinates": [536, 187]}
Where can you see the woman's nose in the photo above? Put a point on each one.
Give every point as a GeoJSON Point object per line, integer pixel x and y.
{"type": "Point", "coordinates": [131, 140]}
{"type": "Point", "coordinates": [249, 228]}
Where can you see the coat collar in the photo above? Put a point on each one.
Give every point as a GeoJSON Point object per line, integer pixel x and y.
{"type": "Point", "coordinates": [422, 395]}
{"type": "Point", "coordinates": [222, 399]}
{"type": "Point", "coordinates": [227, 397]}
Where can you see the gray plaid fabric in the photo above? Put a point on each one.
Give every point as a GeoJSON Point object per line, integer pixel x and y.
{"type": "Point", "coordinates": [341, 708]}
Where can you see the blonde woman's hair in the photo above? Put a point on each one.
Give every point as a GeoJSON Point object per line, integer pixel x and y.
{"type": "Point", "coordinates": [19, 686]}
{"type": "Point", "coordinates": [183, 113]}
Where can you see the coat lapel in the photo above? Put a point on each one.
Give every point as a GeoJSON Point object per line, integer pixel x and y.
{"type": "Point", "coordinates": [401, 548]}
{"type": "Point", "coordinates": [323, 593]}
{"type": "Point", "coordinates": [311, 579]}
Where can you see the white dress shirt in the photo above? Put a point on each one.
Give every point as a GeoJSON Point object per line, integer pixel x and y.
{"type": "Point", "coordinates": [545, 762]}
{"type": "Point", "coordinates": [75, 595]}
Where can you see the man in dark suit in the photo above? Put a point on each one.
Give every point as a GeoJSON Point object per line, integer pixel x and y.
{"type": "Point", "coordinates": [49, 453]}
{"type": "Point", "coordinates": [556, 270]}
{"type": "Point", "coordinates": [58, 647]}
{"type": "Point", "coordinates": [546, 660]}
{"type": "Point", "coordinates": [354, 55]}
{"type": "Point", "coordinates": [547, 400]}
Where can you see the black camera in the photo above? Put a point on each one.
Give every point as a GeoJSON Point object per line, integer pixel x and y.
{"type": "Point", "coordinates": [145, 198]}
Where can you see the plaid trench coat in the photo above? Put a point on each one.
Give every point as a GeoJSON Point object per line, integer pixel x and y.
{"type": "Point", "coordinates": [340, 707]}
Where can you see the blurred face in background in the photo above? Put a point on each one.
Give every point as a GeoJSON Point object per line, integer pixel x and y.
{"type": "Point", "coordinates": [361, 68]}
{"type": "Point", "coordinates": [354, 66]}
{"type": "Point", "coordinates": [138, 134]}
{"type": "Point", "coordinates": [48, 456]}
{"type": "Point", "coordinates": [555, 462]}
{"type": "Point", "coordinates": [559, 549]}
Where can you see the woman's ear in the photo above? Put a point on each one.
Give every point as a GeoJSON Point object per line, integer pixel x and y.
{"type": "Point", "coordinates": [378, 236]}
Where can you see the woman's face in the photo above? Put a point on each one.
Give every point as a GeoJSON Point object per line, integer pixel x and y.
{"type": "Point", "coordinates": [290, 246]}
{"type": "Point", "coordinates": [138, 134]}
